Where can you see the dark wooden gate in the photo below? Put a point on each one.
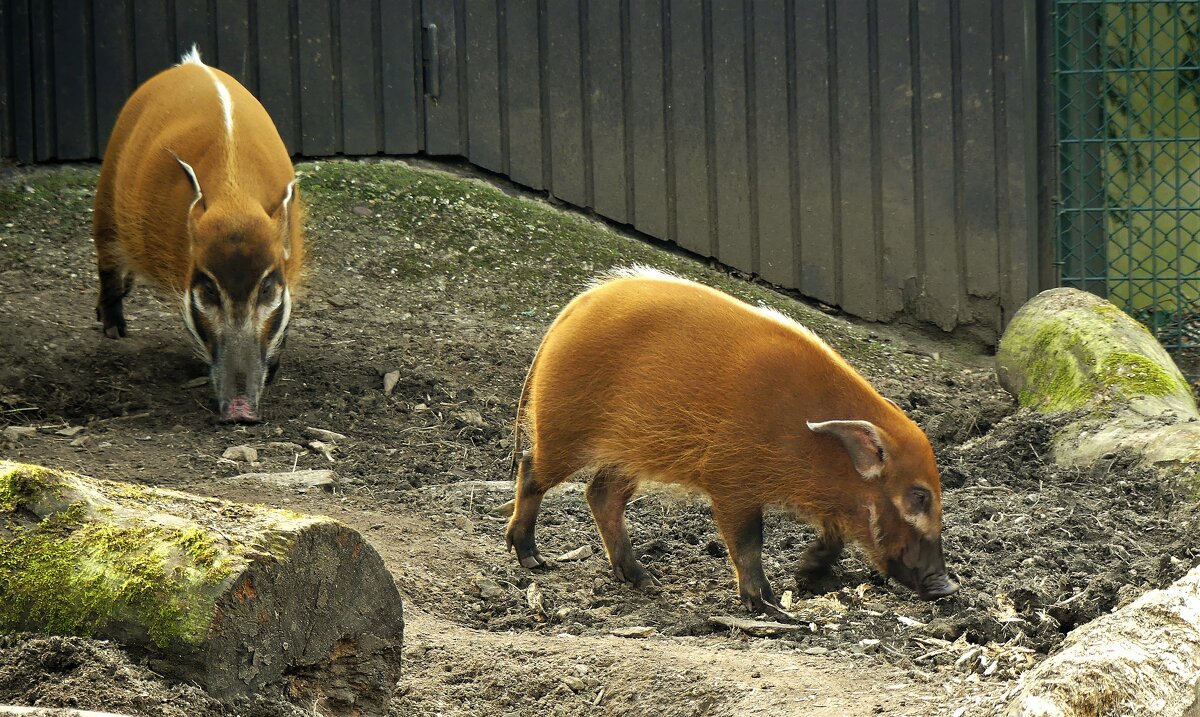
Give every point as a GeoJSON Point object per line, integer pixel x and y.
{"type": "Point", "coordinates": [876, 155]}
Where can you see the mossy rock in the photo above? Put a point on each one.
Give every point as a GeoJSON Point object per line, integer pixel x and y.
{"type": "Point", "coordinates": [1068, 351]}
{"type": "Point", "coordinates": [237, 598]}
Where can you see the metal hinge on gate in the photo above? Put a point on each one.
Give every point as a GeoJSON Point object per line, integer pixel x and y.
{"type": "Point", "coordinates": [429, 59]}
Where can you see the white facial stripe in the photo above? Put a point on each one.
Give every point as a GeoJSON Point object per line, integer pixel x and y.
{"type": "Point", "coordinates": [873, 522]}
{"type": "Point", "coordinates": [921, 521]}
{"type": "Point", "coordinates": [200, 347]}
{"type": "Point", "coordinates": [277, 339]}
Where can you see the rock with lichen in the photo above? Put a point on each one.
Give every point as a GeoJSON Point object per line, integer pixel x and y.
{"type": "Point", "coordinates": [239, 599]}
{"type": "Point", "coordinates": [1070, 352]}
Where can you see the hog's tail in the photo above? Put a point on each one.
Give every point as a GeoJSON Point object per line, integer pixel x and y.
{"type": "Point", "coordinates": [518, 431]}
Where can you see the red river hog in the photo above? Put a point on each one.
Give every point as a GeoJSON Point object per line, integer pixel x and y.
{"type": "Point", "coordinates": [197, 194]}
{"type": "Point", "coordinates": [649, 377]}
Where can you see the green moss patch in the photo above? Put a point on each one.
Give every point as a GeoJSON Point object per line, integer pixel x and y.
{"type": "Point", "coordinates": [1135, 374]}
{"type": "Point", "coordinates": [1054, 381]}
{"type": "Point", "coordinates": [74, 573]}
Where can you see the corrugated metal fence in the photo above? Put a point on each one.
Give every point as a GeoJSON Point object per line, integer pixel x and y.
{"type": "Point", "coordinates": [873, 154]}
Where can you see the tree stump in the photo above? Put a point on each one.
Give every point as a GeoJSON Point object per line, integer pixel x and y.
{"type": "Point", "coordinates": [239, 599]}
{"type": "Point", "coordinates": [1068, 351]}
{"type": "Point", "coordinates": [1140, 661]}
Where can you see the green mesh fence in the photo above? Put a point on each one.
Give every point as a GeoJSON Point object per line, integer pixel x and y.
{"type": "Point", "coordinates": [1128, 99]}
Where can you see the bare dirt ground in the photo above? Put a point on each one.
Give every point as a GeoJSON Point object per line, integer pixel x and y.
{"type": "Point", "coordinates": [451, 282]}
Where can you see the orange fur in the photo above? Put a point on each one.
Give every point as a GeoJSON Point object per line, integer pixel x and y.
{"type": "Point", "coordinates": [142, 198]}
{"type": "Point", "coordinates": [656, 378]}
{"type": "Point", "coordinates": [197, 194]}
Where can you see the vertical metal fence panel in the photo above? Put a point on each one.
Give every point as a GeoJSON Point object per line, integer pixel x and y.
{"type": "Point", "coordinates": [647, 116]}
{"type": "Point", "coordinates": [402, 82]}
{"type": "Point", "coordinates": [939, 298]}
{"type": "Point", "coordinates": [524, 96]}
{"type": "Point", "coordinates": [74, 112]}
{"type": "Point", "coordinates": [898, 267]}
{"type": "Point", "coordinates": [318, 92]}
{"type": "Point", "coordinates": [771, 188]}
{"type": "Point", "coordinates": [605, 86]}
{"type": "Point", "coordinates": [444, 114]}
{"type": "Point", "coordinates": [483, 85]}
{"type": "Point", "coordinates": [737, 240]}
{"type": "Point", "coordinates": [193, 26]}
{"type": "Point", "coordinates": [1017, 181]}
{"type": "Point", "coordinates": [688, 145]}
{"type": "Point", "coordinates": [233, 42]}
{"type": "Point", "coordinates": [113, 51]}
{"type": "Point", "coordinates": [21, 96]}
{"type": "Point", "coordinates": [153, 38]}
{"type": "Point", "coordinates": [872, 154]}
{"type": "Point", "coordinates": [360, 102]}
{"type": "Point", "coordinates": [565, 108]}
{"type": "Point", "coordinates": [278, 81]}
{"type": "Point", "coordinates": [981, 245]}
{"type": "Point", "coordinates": [8, 147]}
{"type": "Point", "coordinates": [818, 272]}
{"type": "Point", "coordinates": [854, 113]}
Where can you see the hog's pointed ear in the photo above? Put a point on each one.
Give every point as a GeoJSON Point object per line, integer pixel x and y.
{"type": "Point", "coordinates": [284, 215]}
{"type": "Point", "coordinates": [862, 442]}
{"type": "Point", "coordinates": [191, 175]}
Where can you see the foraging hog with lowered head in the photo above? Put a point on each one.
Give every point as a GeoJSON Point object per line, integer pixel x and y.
{"type": "Point", "coordinates": [197, 193]}
{"type": "Point", "coordinates": [651, 377]}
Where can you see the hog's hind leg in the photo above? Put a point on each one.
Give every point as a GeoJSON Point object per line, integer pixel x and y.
{"type": "Point", "coordinates": [523, 524]}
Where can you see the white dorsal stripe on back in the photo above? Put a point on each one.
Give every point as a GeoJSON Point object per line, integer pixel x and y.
{"type": "Point", "coordinates": [192, 57]}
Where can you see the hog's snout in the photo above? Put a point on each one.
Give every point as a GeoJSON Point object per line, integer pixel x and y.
{"type": "Point", "coordinates": [239, 409]}
{"type": "Point", "coordinates": [923, 568]}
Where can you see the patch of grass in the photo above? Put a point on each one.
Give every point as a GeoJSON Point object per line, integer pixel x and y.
{"type": "Point", "coordinates": [522, 256]}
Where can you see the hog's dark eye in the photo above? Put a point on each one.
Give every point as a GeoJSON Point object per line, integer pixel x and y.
{"type": "Point", "coordinates": [266, 292]}
{"type": "Point", "coordinates": [920, 498]}
{"type": "Point", "coordinates": [208, 291]}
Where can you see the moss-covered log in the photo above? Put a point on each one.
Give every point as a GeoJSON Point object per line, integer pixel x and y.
{"type": "Point", "coordinates": [1139, 661]}
{"type": "Point", "coordinates": [1069, 351]}
{"type": "Point", "coordinates": [240, 599]}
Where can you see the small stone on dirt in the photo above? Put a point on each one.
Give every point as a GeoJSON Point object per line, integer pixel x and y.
{"type": "Point", "coordinates": [583, 552]}
{"type": "Point", "coordinates": [390, 379]}
{"type": "Point", "coordinates": [470, 417]}
{"type": "Point", "coordinates": [633, 631]}
{"type": "Point", "coordinates": [362, 211]}
{"type": "Point", "coordinates": [488, 588]}
{"type": "Point", "coordinates": [504, 510]}
{"type": "Point", "coordinates": [283, 447]}
{"type": "Point", "coordinates": [338, 301]}
{"type": "Point", "coordinates": [304, 479]}
{"type": "Point", "coordinates": [196, 382]}
{"type": "Point", "coordinates": [323, 448]}
{"type": "Point", "coordinates": [69, 431]}
{"type": "Point", "coordinates": [535, 599]}
{"type": "Point", "coordinates": [816, 651]}
{"type": "Point", "coordinates": [323, 435]}
{"type": "Point", "coordinates": [240, 453]}
{"type": "Point", "coordinates": [574, 683]}
{"type": "Point", "coordinates": [16, 433]}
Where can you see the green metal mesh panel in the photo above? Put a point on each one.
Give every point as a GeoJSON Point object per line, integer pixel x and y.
{"type": "Point", "coordinates": [1127, 75]}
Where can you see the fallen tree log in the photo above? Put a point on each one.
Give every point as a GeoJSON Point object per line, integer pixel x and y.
{"type": "Point", "coordinates": [1143, 659]}
{"type": "Point", "coordinates": [1070, 352]}
{"type": "Point", "coordinates": [239, 599]}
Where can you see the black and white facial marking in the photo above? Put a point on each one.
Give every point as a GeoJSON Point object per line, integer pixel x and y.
{"type": "Point", "coordinates": [239, 323]}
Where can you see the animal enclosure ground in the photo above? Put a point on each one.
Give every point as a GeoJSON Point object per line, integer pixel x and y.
{"type": "Point", "coordinates": [450, 282]}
